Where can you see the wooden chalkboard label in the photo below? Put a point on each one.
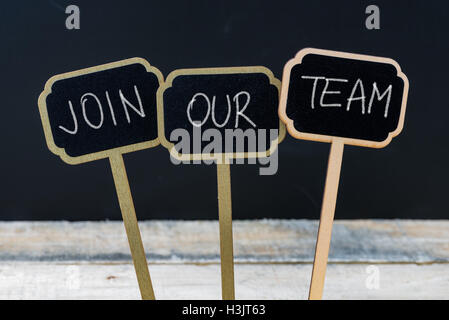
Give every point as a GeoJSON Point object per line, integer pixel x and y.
{"type": "Point", "coordinates": [91, 113]}
{"type": "Point", "coordinates": [223, 99]}
{"type": "Point", "coordinates": [358, 98]}
{"type": "Point", "coordinates": [103, 112]}
{"type": "Point", "coordinates": [341, 98]}
{"type": "Point", "coordinates": [215, 102]}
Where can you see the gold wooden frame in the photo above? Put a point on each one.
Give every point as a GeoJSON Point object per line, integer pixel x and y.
{"type": "Point", "coordinates": [218, 156]}
{"type": "Point", "coordinates": [101, 154]}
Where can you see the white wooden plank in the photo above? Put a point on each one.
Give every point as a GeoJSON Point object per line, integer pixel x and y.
{"type": "Point", "coordinates": [51, 280]}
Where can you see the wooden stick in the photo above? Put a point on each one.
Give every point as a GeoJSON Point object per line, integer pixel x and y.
{"type": "Point", "coordinates": [225, 221]}
{"type": "Point", "coordinates": [131, 226]}
{"type": "Point", "coordinates": [326, 220]}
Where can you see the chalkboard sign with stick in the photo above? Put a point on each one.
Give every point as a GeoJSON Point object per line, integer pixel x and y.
{"type": "Point", "coordinates": [218, 115]}
{"type": "Point", "coordinates": [340, 98]}
{"type": "Point", "coordinates": [103, 112]}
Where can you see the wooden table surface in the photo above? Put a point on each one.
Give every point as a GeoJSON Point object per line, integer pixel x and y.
{"type": "Point", "coordinates": [369, 259]}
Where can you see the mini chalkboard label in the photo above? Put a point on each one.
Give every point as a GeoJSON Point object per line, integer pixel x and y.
{"type": "Point", "coordinates": [341, 98]}
{"type": "Point", "coordinates": [89, 114]}
{"type": "Point", "coordinates": [103, 112]}
{"type": "Point", "coordinates": [233, 109]}
{"type": "Point", "coordinates": [359, 98]}
{"type": "Point", "coordinates": [226, 100]}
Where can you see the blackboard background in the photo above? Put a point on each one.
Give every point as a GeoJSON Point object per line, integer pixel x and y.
{"type": "Point", "coordinates": [408, 179]}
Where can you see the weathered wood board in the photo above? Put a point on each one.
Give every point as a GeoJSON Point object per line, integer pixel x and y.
{"type": "Point", "coordinates": [289, 241]}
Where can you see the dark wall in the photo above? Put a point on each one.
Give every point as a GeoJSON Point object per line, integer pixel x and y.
{"type": "Point", "coordinates": [407, 179]}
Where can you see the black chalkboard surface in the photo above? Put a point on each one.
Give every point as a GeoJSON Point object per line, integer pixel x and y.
{"type": "Point", "coordinates": [226, 100]}
{"type": "Point", "coordinates": [87, 113]}
{"type": "Point", "coordinates": [334, 94]}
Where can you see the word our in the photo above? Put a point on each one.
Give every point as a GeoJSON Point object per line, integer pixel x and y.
{"type": "Point", "coordinates": [211, 109]}
{"type": "Point", "coordinates": [357, 94]}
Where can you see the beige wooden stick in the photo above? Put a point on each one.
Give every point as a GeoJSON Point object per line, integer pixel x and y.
{"type": "Point", "coordinates": [131, 226]}
{"type": "Point", "coordinates": [326, 220]}
{"type": "Point", "coordinates": [225, 221]}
